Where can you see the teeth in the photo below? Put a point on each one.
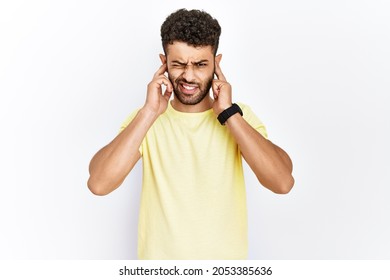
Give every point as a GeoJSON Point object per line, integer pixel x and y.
{"type": "Point", "coordinates": [188, 87]}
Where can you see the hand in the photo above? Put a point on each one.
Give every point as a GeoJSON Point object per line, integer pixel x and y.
{"type": "Point", "coordinates": [156, 101]}
{"type": "Point", "coordinates": [222, 91]}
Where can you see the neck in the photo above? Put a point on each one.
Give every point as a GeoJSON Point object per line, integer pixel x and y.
{"type": "Point", "coordinates": [204, 105]}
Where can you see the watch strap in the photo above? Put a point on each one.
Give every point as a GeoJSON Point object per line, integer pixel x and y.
{"type": "Point", "coordinates": [227, 113]}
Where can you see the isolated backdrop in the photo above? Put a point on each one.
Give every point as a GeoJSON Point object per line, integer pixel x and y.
{"type": "Point", "coordinates": [315, 72]}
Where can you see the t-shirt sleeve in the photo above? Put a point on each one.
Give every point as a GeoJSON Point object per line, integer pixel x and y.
{"type": "Point", "coordinates": [126, 122]}
{"type": "Point", "coordinates": [253, 120]}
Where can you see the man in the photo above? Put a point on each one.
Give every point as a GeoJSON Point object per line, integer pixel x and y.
{"type": "Point", "coordinates": [193, 203]}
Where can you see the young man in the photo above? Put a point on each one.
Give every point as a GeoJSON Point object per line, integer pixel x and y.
{"type": "Point", "coordinates": [193, 203]}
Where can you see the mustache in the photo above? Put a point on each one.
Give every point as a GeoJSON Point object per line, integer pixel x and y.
{"type": "Point", "coordinates": [182, 80]}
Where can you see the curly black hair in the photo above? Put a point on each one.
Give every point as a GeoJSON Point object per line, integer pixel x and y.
{"type": "Point", "coordinates": [194, 27]}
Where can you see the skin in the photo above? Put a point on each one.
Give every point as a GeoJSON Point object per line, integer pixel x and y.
{"type": "Point", "coordinates": [190, 71]}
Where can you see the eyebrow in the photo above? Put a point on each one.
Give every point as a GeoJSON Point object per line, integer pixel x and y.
{"type": "Point", "coordinates": [184, 64]}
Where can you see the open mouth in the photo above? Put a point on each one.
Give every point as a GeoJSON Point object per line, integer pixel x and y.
{"type": "Point", "coordinates": [188, 88]}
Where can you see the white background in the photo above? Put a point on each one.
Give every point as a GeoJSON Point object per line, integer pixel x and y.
{"type": "Point", "coordinates": [315, 72]}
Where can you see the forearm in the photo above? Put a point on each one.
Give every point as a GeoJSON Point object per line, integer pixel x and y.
{"type": "Point", "coordinates": [110, 166]}
{"type": "Point", "coordinates": [271, 165]}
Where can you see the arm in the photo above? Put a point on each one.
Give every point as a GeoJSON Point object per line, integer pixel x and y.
{"type": "Point", "coordinates": [271, 165]}
{"type": "Point", "coordinates": [110, 166]}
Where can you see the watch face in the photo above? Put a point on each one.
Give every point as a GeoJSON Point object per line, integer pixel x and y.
{"type": "Point", "coordinates": [236, 109]}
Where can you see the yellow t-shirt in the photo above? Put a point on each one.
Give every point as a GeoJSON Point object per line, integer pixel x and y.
{"type": "Point", "coordinates": [193, 201]}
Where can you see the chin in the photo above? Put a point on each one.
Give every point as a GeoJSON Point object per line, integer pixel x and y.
{"type": "Point", "coordinates": [190, 100]}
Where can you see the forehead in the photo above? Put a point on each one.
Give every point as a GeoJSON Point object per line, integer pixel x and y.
{"type": "Point", "coordinates": [185, 52]}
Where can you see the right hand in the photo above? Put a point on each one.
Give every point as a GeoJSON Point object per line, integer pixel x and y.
{"type": "Point", "coordinates": [156, 101]}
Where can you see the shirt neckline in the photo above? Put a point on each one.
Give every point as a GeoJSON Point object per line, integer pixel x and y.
{"type": "Point", "coordinates": [186, 114]}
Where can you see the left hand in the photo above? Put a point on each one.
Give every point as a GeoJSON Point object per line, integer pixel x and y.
{"type": "Point", "coordinates": [222, 91]}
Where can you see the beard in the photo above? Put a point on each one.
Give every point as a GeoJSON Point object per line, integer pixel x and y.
{"type": "Point", "coordinates": [193, 99]}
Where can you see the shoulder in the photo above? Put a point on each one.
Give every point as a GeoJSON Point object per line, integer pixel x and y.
{"type": "Point", "coordinates": [246, 109]}
{"type": "Point", "coordinates": [253, 119]}
{"type": "Point", "coordinates": [128, 119]}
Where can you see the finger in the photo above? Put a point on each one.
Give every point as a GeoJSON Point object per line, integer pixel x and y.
{"type": "Point", "coordinates": [216, 86]}
{"type": "Point", "coordinates": [169, 86]}
{"type": "Point", "coordinates": [162, 80]}
{"type": "Point", "coordinates": [167, 94]}
{"type": "Point", "coordinates": [219, 73]}
{"type": "Point", "coordinates": [161, 70]}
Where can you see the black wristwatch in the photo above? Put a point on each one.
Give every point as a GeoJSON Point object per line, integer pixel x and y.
{"type": "Point", "coordinates": [227, 113]}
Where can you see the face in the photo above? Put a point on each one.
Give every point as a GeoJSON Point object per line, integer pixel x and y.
{"type": "Point", "coordinates": [191, 71]}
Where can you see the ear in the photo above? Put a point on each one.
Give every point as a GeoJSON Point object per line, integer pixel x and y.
{"type": "Point", "coordinates": [163, 58]}
{"type": "Point", "coordinates": [218, 58]}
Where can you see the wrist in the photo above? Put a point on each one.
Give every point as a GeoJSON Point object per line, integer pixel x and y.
{"type": "Point", "coordinates": [229, 112]}
{"type": "Point", "coordinates": [222, 108]}
{"type": "Point", "coordinates": [148, 113]}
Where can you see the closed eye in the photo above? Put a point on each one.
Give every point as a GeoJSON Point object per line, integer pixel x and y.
{"type": "Point", "coordinates": [201, 64]}
{"type": "Point", "coordinates": [178, 65]}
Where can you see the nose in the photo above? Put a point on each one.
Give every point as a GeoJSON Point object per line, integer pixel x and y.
{"type": "Point", "coordinates": [189, 73]}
